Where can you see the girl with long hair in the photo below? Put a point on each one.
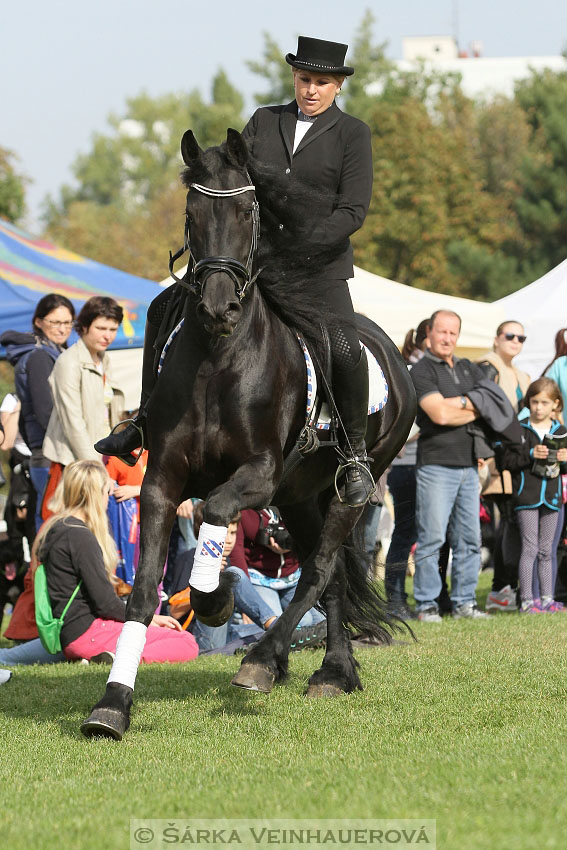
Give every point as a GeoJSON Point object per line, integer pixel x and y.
{"type": "Point", "coordinates": [75, 545]}
{"type": "Point", "coordinates": [537, 492]}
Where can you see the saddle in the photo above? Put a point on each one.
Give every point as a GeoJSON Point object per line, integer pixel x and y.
{"type": "Point", "coordinates": [322, 419]}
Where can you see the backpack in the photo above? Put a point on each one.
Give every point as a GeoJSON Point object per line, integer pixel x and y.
{"type": "Point", "coordinates": [48, 626]}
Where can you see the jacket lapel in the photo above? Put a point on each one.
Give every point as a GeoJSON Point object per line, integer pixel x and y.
{"type": "Point", "coordinates": [323, 123]}
{"type": "Point", "coordinates": [288, 120]}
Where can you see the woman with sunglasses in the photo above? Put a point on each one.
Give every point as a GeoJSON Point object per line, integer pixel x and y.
{"type": "Point", "coordinates": [33, 356]}
{"type": "Point", "coordinates": [508, 342]}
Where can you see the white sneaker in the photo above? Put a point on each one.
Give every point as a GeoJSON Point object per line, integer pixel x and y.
{"type": "Point", "coordinates": [468, 611]}
{"type": "Point", "coordinates": [502, 600]}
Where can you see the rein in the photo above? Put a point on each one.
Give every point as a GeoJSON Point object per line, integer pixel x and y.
{"type": "Point", "coordinates": [199, 271]}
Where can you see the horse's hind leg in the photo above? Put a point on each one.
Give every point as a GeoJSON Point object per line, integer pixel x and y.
{"type": "Point", "coordinates": [111, 716]}
{"type": "Point", "coordinates": [267, 662]}
{"type": "Point", "coordinates": [338, 673]}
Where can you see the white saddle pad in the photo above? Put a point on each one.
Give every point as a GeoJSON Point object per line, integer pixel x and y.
{"type": "Point", "coordinates": [377, 385]}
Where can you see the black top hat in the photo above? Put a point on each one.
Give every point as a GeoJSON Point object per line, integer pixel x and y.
{"type": "Point", "coordinates": [313, 54]}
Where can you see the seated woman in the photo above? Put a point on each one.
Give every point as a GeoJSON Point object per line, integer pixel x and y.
{"type": "Point", "coordinates": [75, 546]}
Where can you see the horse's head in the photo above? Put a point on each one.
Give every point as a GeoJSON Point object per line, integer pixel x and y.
{"type": "Point", "coordinates": [222, 229]}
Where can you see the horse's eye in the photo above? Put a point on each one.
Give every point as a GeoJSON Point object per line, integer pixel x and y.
{"type": "Point", "coordinates": [247, 213]}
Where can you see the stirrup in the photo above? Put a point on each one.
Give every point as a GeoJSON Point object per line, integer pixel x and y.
{"type": "Point", "coordinates": [362, 464]}
{"type": "Point", "coordinates": [129, 459]}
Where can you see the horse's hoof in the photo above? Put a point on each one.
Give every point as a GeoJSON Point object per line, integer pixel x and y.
{"type": "Point", "coordinates": [253, 677]}
{"type": "Point", "coordinates": [325, 690]}
{"type": "Point", "coordinates": [105, 723]}
{"type": "Point", "coordinates": [219, 618]}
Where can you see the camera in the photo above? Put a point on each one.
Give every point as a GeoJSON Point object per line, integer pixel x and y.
{"type": "Point", "coordinates": [276, 529]}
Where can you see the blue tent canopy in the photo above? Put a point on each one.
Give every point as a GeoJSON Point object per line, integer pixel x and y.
{"type": "Point", "coordinates": [31, 268]}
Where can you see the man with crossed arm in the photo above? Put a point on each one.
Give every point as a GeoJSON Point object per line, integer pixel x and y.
{"type": "Point", "coordinates": [447, 496]}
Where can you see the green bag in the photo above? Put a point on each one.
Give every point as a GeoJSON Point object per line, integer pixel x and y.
{"type": "Point", "coordinates": [48, 626]}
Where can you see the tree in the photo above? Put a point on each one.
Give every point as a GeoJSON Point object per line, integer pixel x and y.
{"type": "Point", "coordinates": [542, 203]}
{"type": "Point", "coordinates": [501, 138]}
{"type": "Point", "coordinates": [275, 70]}
{"type": "Point", "coordinates": [430, 224]}
{"type": "Point", "coordinates": [127, 210]}
{"type": "Point", "coordinates": [140, 158]}
{"type": "Point", "coordinates": [372, 69]}
{"type": "Point", "coordinates": [12, 188]}
{"type": "Point", "coordinates": [136, 241]}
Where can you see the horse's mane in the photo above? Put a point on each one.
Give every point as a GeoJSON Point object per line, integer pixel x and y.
{"type": "Point", "coordinates": [288, 258]}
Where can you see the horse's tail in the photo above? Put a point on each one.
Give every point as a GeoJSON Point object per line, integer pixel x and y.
{"type": "Point", "coordinates": [366, 613]}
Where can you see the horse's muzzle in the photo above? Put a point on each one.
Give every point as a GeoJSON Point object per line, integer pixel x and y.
{"type": "Point", "coordinates": [217, 323]}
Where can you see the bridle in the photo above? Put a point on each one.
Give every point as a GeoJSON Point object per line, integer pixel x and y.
{"type": "Point", "coordinates": [199, 271]}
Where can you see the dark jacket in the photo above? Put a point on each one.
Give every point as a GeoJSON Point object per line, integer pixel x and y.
{"type": "Point", "coordinates": [529, 490]}
{"type": "Point", "coordinates": [335, 156]}
{"type": "Point", "coordinates": [33, 357]}
{"type": "Point", "coordinates": [70, 552]}
{"type": "Point", "coordinates": [498, 423]}
{"type": "Point", "coordinates": [248, 553]}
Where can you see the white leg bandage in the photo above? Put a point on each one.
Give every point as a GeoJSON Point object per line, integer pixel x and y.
{"type": "Point", "coordinates": [208, 557]}
{"type": "Point", "coordinates": [128, 653]}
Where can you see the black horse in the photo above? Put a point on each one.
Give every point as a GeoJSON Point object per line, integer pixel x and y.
{"type": "Point", "coordinates": [227, 409]}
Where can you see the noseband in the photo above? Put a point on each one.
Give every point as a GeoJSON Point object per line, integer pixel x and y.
{"type": "Point", "coordinates": [199, 271]}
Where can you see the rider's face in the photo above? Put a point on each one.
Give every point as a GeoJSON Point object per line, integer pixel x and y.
{"type": "Point", "coordinates": [314, 93]}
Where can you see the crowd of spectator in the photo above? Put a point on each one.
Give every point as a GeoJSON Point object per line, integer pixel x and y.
{"type": "Point", "coordinates": [486, 441]}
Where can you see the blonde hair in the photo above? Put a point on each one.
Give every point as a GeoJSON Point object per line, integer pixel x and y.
{"type": "Point", "coordinates": [83, 486]}
{"type": "Point", "coordinates": [338, 78]}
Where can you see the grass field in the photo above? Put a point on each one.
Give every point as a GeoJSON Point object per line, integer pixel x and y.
{"type": "Point", "coordinates": [466, 726]}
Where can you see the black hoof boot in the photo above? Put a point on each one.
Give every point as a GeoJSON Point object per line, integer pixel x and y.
{"type": "Point", "coordinates": [110, 718]}
{"type": "Point", "coordinates": [215, 608]}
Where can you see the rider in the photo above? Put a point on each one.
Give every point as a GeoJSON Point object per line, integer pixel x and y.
{"type": "Point", "coordinates": [311, 138]}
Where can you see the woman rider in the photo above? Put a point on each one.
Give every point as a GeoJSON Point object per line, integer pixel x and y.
{"type": "Point", "coordinates": [313, 141]}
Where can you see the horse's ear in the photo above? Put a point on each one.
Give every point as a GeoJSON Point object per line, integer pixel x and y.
{"type": "Point", "coordinates": [236, 148]}
{"type": "Point", "coordinates": [190, 150]}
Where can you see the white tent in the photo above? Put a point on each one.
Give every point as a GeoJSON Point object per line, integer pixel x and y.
{"type": "Point", "coordinates": [541, 307]}
{"type": "Point", "coordinates": [397, 308]}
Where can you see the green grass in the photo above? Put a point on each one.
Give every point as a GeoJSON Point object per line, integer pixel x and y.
{"type": "Point", "coordinates": [466, 726]}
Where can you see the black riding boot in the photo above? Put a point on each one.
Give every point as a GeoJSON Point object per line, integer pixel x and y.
{"type": "Point", "coordinates": [351, 396]}
{"type": "Point", "coordinates": [123, 443]}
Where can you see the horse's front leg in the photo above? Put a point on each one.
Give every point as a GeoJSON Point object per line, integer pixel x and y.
{"type": "Point", "coordinates": [159, 499]}
{"type": "Point", "coordinates": [250, 486]}
{"type": "Point", "coordinates": [268, 661]}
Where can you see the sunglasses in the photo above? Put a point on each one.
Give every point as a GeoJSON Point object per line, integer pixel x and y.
{"type": "Point", "coordinates": [519, 337]}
